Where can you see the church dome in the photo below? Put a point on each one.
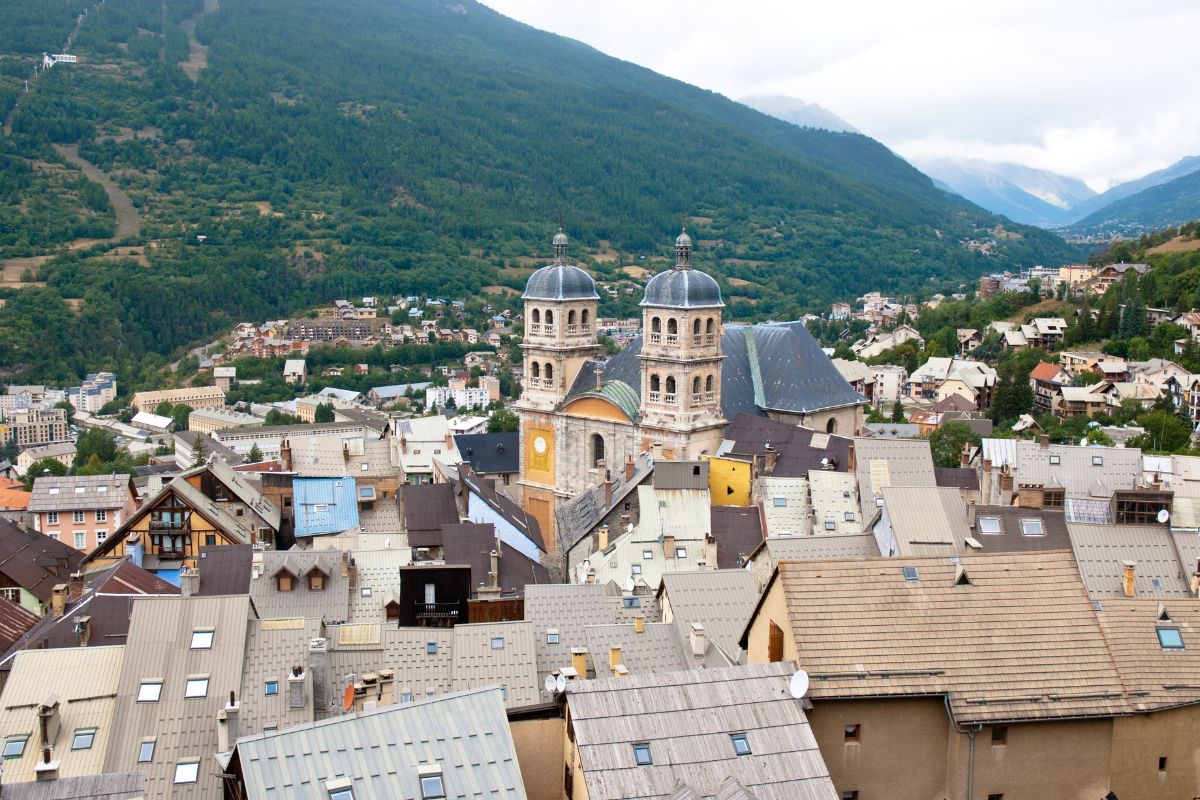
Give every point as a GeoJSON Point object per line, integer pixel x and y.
{"type": "Point", "coordinates": [683, 288]}
{"type": "Point", "coordinates": [560, 280]}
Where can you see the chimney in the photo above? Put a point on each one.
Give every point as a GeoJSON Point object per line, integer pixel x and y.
{"type": "Point", "coordinates": [295, 688]}
{"type": "Point", "coordinates": [602, 536]}
{"type": "Point", "coordinates": [770, 457]}
{"type": "Point", "coordinates": [1006, 479]}
{"type": "Point", "coordinates": [227, 725]}
{"type": "Point", "coordinates": [75, 587]}
{"type": "Point", "coordinates": [449, 441]}
{"type": "Point", "coordinates": [495, 573]}
{"type": "Point", "coordinates": [49, 723]}
{"type": "Point", "coordinates": [346, 452]}
{"type": "Point", "coordinates": [189, 581]}
{"type": "Point", "coordinates": [285, 455]}
{"type": "Point", "coordinates": [58, 600]}
{"type": "Point", "coordinates": [698, 640]}
{"type": "Point", "coordinates": [579, 660]}
{"type": "Point", "coordinates": [1130, 574]}
{"type": "Point", "coordinates": [964, 458]}
{"type": "Point", "coordinates": [668, 545]}
{"type": "Point", "coordinates": [345, 563]}
{"type": "Point", "coordinates": [851, 459]}
{"type": "Point", "coordinates": [614, 658]}
{"type": "Point", "coordinates": [318, 663]}
{"type": "Point", "coordinates": [83, 628]}
{"type": "Point", "coordinates": [630, 468]}
{"type": "Point", "coordinates": [403, 444]}
{"type": "Point", "coordinates": [639, 624]}
{"type": "Point", "coordinates": [986, 481]}
{"type": "Point", "coordinates": [656, 451]}
{"type": "Point", "coordinates": [353, 573]}
{"type": "Point", "coordinates": [607, 488]}
{"type": "Point", "coordinates": [971, 515]}
{"type": "Point", "coordinates": [1044, 441]}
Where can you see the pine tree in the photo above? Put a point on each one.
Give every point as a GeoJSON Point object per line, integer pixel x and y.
{"type": "Point", "coordinates": [898, 412]}
{"type": "Point", "coordinates": [255, 455]}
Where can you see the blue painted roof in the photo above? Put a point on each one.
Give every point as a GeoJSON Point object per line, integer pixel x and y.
{"type": "Point", "coordinates": [324, 505]}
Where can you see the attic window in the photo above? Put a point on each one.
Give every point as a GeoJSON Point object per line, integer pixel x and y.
{"type": "Point", "coordinates": [911, 574]}
{"type": "Point", "coordinates": [284, 582]}
{"type": "Point", "coordinates": [202, 639]}
{"type": "Point", "coordinates": [830, 525]}
{"type": "Point", "coordinates": [321, 508]}
{"type": "Point", "coordinates": [641, 754]}
{"type": "Point", "coordinates": [1169, 638]}
{"type": "Point", "coordinates": [316, 581]}
{"type": "Point", "coordinates": [848, 516]}
{"type": "Point", "coordinates": [344, 793]}
{"type": "Point", "coordinates": [497, 642]}
{"type": "Point", "coordinates": [431, 648]}
{"type": "Point", "coordinates": [636, 569]}
{"type": "Point", "coordinates": [365, 591]}
{"type": "Point", "coordinates": [1032, 526]}
{"type": "Point", "coordinates": [54, 490]}
{"type": "Point", "coordinates": [432, 785]}
{"type": "Point", "coordinates": [681, 552]}
{"type": "Point", "coordinates": [80, 489]}
{"type": "Point", "coordinates": [84, 739]}
{"type": "Point", "coordinates": [1097, 461]}
{"type": "Point", "coordinates": [146, 751]}
{"type": "Point", "coordinates": [14, 746]}
{"type": "Point", "coordinates": [779, 502]}
{"type": "Point", "coordinates": [647, 554]}
{"type": "Point", "coordinates": [631, 602]}
{"type": "Point", "coordinates": [197, 686]}
{"type": "Point", "coordinates": [187, 771]}
{"type": "Point", "coordinates": [741, 746]}
{"type": "Point", "coordinates": [271, 688]}
{"type": "Point", "coordinates": [989, 525]}
{"type": "Point", "coordinates": [149, 691]}
{"type": "Point", "coordinates": [552, 636]}
{"type": "Point", "coordinates": [1055, 460]}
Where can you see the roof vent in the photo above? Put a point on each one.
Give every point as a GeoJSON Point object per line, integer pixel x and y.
{"type": "Point", "coordinates": [960, 576]}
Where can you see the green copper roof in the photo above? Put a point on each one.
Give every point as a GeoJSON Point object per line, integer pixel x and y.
{"type": "Point", "coordinates": [618, 393]}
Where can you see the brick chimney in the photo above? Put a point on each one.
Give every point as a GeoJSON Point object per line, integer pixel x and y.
{"type": "Point", "coordinates": [285, 455]}
{"type": "Point", "coordinates": [75, 587]}
{"type": "Point", "coordinates": [630, 468]}
{"type": "Point", "coordinates": [607, 488]}
{"type": "Point", "coordinates": [83, 628]}
{"type": "Point", "coordinates": [58, 600]}
{"type": "Point", "coordinates": [770, 458]}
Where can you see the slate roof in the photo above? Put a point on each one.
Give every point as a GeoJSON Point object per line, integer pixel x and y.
{"type": "Point", "coordinates": [427, 507]}
{"type": "Point", "coordinates": [1020, 642]}
{"type": "Point", "coordinates": [737, 532]}
{"type": "Point", "coordinates": [1011, 539]}
{"type": "Point", "coordinates": [721, 600]}
{"type": "Point", "coordinates": [79, 492]}
{"type": "Point", "coordinates": [569, 608]}
{"type": "Point", "coordinates": [682, 288]}
{"type": "Point", "coordinates": [687, 718]}
{"type": "Point", "coordinates": [925, 520]}
{"type": "Point", "coordinates": [780, 367]}
{"type": "Point", "coordinates": [1101, 551]}
{"type": "Point", "coordinates": [957, 477]}
{"type": "Point", "coordinates": [35, 562]}
{"type": "Point", "coordinates": [490, 453]}
{"type": "Point", "coordinates": [510, 511]}
{"type": "Point", "coordinates": [477, 661]}
{"type": "Point", "coordinates": [560, 281]}
{"type": "Point", "coordinates": [465, 732]}
{"type": "Point", "coordinates": [472, 544]}
{"type": "Point", "coordinates": [799, 450]}
{"type": "Point", "coordinates": [583, 512]}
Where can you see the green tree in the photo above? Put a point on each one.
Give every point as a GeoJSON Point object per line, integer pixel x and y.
{"type": "Point", "coordinates": [199, 452]}
{"type": "Point", "coordinates": [42, 466]}
{"type": "Point", "coordinates": [1012, 395]}
{"type": "Point", "coordinates": [180, 414]}
{"type": "Point", "coordinates": [255, 455]}
{"type": "Point", "coordinates": [95, 442]}
{"type": "Point", "coordinates": [946, 443]}
{"type": "Point", "coordinates": [65, 405]}
{"type": "Point", "coordinates": [875, 415]}
{"type": "Point", "coordinates": [898, 412]}
{"type": "Point", "coordinates": [164, 409]}
{"type": "Point", "coordinates": [1165, 433]}
{"type": "Point", "coordinates": [503, 421]}
{"type": "Point", "coordinates": [324, 413]}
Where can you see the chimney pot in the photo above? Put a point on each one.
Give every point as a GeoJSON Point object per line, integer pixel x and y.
{"type": "Point", "coordinates": [579, 660]}
{"type": "Point", "coordinates": [639, 624]}
{"type": "Point", "coordinates": [630, 469]}
{"type": "Point", "coordinates": [1130, 575]}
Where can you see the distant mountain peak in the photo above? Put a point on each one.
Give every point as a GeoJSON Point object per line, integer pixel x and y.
{"type": "Point", "coordinates": [798, 112]}
{"type": "Point", "coordinates": [1021, 193]}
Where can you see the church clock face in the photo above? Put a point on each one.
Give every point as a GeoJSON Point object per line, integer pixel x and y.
{"type": "Point", "coordinates": [539, 444]}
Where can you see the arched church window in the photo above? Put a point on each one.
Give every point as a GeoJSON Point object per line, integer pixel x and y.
{"type": "Point", "coordinates": [549, 371]}
{"type": "Point", "coordinates": [654, 383]}
{"type": "Point", "coordinates": [584, 316]}
{"type": "Point", "coordinates": [536, 317]}
{"type": "Point", "coordinates": [831, 426]}
{"type": "Point", "coordinates": [571, 317]}
{"type": "Point", "coordinates": [672, 326]}
{"type": "Point", "coordinates": [696, 327]}
{"type": "Point", "coordinates": [670, 384]}
{"type": "Point", "coordinates": [710, 326]}
{"type": "Point", "coordinates": [655, 325]}
{"type": "Point", "coordinates": [696, 385]}
{"type": "Point", "coordinates": [535, 370]}
{"type": "Point", "coordinates": [597, 449]}
{"type": "Point", "coordinates": [708, 383]}
{"type": "Point", "coordinates": [549, 317]}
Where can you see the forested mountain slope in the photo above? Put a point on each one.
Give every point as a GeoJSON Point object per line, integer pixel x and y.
{"type": "Point", "coordinates": [330, 149]}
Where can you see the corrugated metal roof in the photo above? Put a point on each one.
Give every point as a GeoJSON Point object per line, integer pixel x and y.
{"type": "Point", "coordinates": [325, 505]}
{"type": "Point", "coordinates": [1101, 551]}
{"type": "Point", "coordinates": [687, 718]}
{"type": "Point", "coordinates": [1081, 471]}
{"type": "Point", "coordinates": [498, 654]}
{"type": "Point", "coordinates": [1000, 452]}
{"type": "Point", "coordinates": [84, 680]}
{"type": "Point", "coordinates": [80, 492]}
{"type": "Point", "coordinates": [926, 520]}
{"type": "Point", "coordinates": [380, 751]}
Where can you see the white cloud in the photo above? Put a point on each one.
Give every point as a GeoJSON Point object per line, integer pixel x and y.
{"type": "Point", "coordinates": [1103, 90]}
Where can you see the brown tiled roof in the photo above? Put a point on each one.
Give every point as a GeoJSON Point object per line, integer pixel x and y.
{"type": "Point", "coordinates": [1020, 641]}
{"type": "Point", "coordinates": [35, 562]}
{"type": "Point", "coordinates": [472, 544]}
{"type": "Point", "coordinates": [953, 402]}
{"type": "Point", "coordinates": [799, 449]}
{"type": "Point", "coordinates": [957, 477]}
{"type": "Point", "coordinates": [1157, 677]}
{"type": "Point", "coordinates": [225, 569]}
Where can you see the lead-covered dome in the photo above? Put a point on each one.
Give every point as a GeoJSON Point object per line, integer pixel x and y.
{"type": "Point", "coordinates": [683, 288]}
{"type": "Point", "coordinates": [560, 280]}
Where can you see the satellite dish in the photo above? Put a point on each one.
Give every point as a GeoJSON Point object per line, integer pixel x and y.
{"type": "Point", "coordinates": [629, 584]}
{"type": "Point", "coordinates": [550, 683]}
{"type": "Point", "coordinates": [560, 683]}
{"type": "Point", "coordinates": [798, 686]}
{"type": "Point", "coordinates": [1164, 516]}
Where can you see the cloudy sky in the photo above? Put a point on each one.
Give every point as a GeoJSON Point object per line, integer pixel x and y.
{"type": "Point", "coordinates": [1102, 90]}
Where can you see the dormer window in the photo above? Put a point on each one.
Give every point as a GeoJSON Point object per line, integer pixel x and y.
{"type": "Point", "coordinates": [285, 582]}
{"type": "Point", "coordinates": [316, 581]}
